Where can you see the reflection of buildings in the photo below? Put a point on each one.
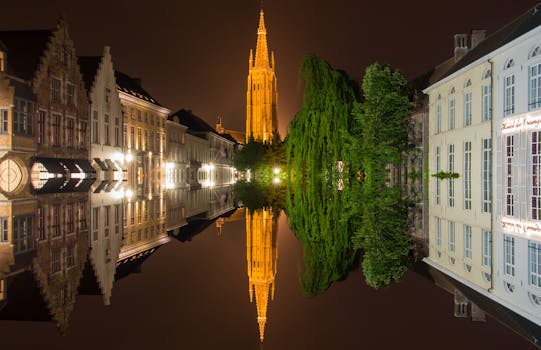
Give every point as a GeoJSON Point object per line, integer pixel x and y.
{"type": "Point", "coordinates": [262, 257]}
{"type": "Point", "coordinates": [49, 238]}
{"type": "Point", "coordinates": [470, 304]}
{"type": "Point", "coordinates": [262, 94]}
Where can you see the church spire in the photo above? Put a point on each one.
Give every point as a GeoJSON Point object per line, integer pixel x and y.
{"type": "Point", "coordinates": [262, 51]}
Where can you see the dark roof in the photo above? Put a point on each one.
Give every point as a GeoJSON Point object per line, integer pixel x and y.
{"type": "Point", "coordinates": [195, 124]}
{"type": "Point", "coordinates": [3, 46]}
{"type": "Point", "coordinates": [24, 50]}
{"type": "Point", "coordinates": [526, 22]}
{"type": "Point", "coordinates": [133, 87]}
{"type": "Point", "coordinates": [89, 67]}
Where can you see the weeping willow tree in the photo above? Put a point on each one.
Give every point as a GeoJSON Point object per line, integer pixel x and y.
{"type": "Point", "coordinates": [380, 128]}
{"type": "Point", "coordinates": [315, 149]}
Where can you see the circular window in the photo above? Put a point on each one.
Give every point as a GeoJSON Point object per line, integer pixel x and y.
{"type": "Point", "coordinates": [10, 175]}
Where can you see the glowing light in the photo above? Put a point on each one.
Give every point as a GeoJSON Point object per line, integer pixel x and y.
{"type": "Point", "coordinates": [129, 194]}
{"type": "Point", "coordinates": [129, 157]}
{"type": "Point", "coordinates": [276, 180]}
{"type": "Point", "coordinates": [523, 123]}
{"type": "Point", "coordinates": [521, 227]}
{"type": "Point", "coordinates": [78, 176]}
{"type": "Point", "coordinates": [117, 156]}
{"type": "Point", "coordinates": [276, 171]}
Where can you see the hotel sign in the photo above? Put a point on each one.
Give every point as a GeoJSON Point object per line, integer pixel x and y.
{"type": "Point", "coordinates": [522, 228]}
{"type": "Point", "coordinates": [527, 122]}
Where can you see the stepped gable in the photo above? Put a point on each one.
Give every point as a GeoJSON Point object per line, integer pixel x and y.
{"type": "Point", "coordinates": [133, 87]}
{"type": "Point", "coordinates": [25, 49]}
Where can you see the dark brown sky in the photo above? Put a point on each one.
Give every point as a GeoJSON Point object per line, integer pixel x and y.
{"type": "Point", "coordinates": [194, 54]}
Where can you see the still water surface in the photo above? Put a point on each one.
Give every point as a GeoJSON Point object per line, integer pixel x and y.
{"type": "Point", "coordinates": [193, 293]}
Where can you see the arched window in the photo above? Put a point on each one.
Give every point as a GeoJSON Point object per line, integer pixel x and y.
{"type": "Point", "coordinates": [467, 267]}
{"type": "Point", "coordinates": [452, 108]}
{"type": "Point", "coordinates": [536, 299]}
{"type": "Point", "coordinates": [468, 83]}
{"type": "Point", "coordinates": [509, 287]}
{"type": "Point", "coordinates": [510, 63]}
{"type": "Point", "coordinates": [487, 74]}
{"type": "Point", "coordinates": [536, 51]}
{"type": "Point", "coordinates": [487, 277]}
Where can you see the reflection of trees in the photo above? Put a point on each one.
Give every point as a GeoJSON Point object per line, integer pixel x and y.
{"type": "Point", "coordinates": [317, 211]}
{"type": "Point", "coordinates": [257, 195]}
{"type": "Point", "coordinates": [318, 216]}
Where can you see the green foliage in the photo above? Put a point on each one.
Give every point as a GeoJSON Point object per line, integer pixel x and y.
{"type": "Point", "coordinates": [249, 157]}
{"type": "Point", "coordinates": [382, 140]}
{"type": "Point", "coordinates": [442, 175]}
{"type": "Point", "coordinates": [333, 128]}
{"type": "Point", "coordinates": [317, 210]}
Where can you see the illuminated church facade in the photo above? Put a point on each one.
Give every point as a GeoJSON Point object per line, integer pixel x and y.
{"type": "Point", "coordinates": [262, 94]}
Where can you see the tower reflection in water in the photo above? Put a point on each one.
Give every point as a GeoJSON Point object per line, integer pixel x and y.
{"type": "Point", "coordinates": [261, 257]}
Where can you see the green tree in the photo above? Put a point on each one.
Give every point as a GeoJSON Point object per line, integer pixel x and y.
{"type": "Point", "coordinates": [381, 134]}
{"type": "Point", "coordinates": [317, 209]}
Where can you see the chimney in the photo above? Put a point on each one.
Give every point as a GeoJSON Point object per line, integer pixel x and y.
{"type": "Point", "coordinates": [461, 46]}
{"type": "Point", "coordinates": [477, 36]}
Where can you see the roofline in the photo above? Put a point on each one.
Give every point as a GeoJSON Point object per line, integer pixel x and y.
{"type": "Point", "coordinates": [482, 59]}
{"type": "Point", "coordinates": [142, 103]}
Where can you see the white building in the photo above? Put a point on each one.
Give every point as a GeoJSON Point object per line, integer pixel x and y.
{"type": "Point", "coordinates": [500, 154]}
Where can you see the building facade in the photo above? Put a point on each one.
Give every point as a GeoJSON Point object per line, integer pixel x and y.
{"type": "Point", "coordinates": [494, 89]}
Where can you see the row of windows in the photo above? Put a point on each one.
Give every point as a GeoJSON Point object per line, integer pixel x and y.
{"type": "Point", "coordinates": [147, 118]}
{"type": "Point", "coordinates": [135, 212]}
{"type": "Point", "coordinates": [486, 175]}
{"type": "Point", "coordinates": [534, 260]}
{"type": "Point", "coordinates": [510, 168]}
{"type": "Point", "coordinates": [145, 141]}
{"type": "Point", "coordinates": [486, 105]}
{"type": "Point", "coordinates": [111, 130]}
{"type": "Point", "coordinates": [111, 215]}
{"type": "Point", "coordinates": [62, 92]}
{"type": "Point", "coordinates": [61, 131]}
{"type": "Point", "coordinates": [486, 243]}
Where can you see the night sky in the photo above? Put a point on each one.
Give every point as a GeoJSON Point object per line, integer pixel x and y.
{"type": "Point", "coordinates": [194, 54]}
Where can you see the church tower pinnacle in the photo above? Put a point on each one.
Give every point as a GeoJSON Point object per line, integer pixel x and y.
{"type": "Point", "coordinates": [262, 94]}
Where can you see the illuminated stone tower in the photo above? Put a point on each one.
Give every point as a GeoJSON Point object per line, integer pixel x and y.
{"type": "Point", "coordinates": [261, 255]}
{"type": "Point", "coordinates": [262, 95]}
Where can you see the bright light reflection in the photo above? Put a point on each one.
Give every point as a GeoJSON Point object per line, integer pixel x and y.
{"type": "Point", "coordinates": [129, 157]}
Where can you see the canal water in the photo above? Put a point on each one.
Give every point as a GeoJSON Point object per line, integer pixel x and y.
{"type": "Point", "coordinates": [213, 283]}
